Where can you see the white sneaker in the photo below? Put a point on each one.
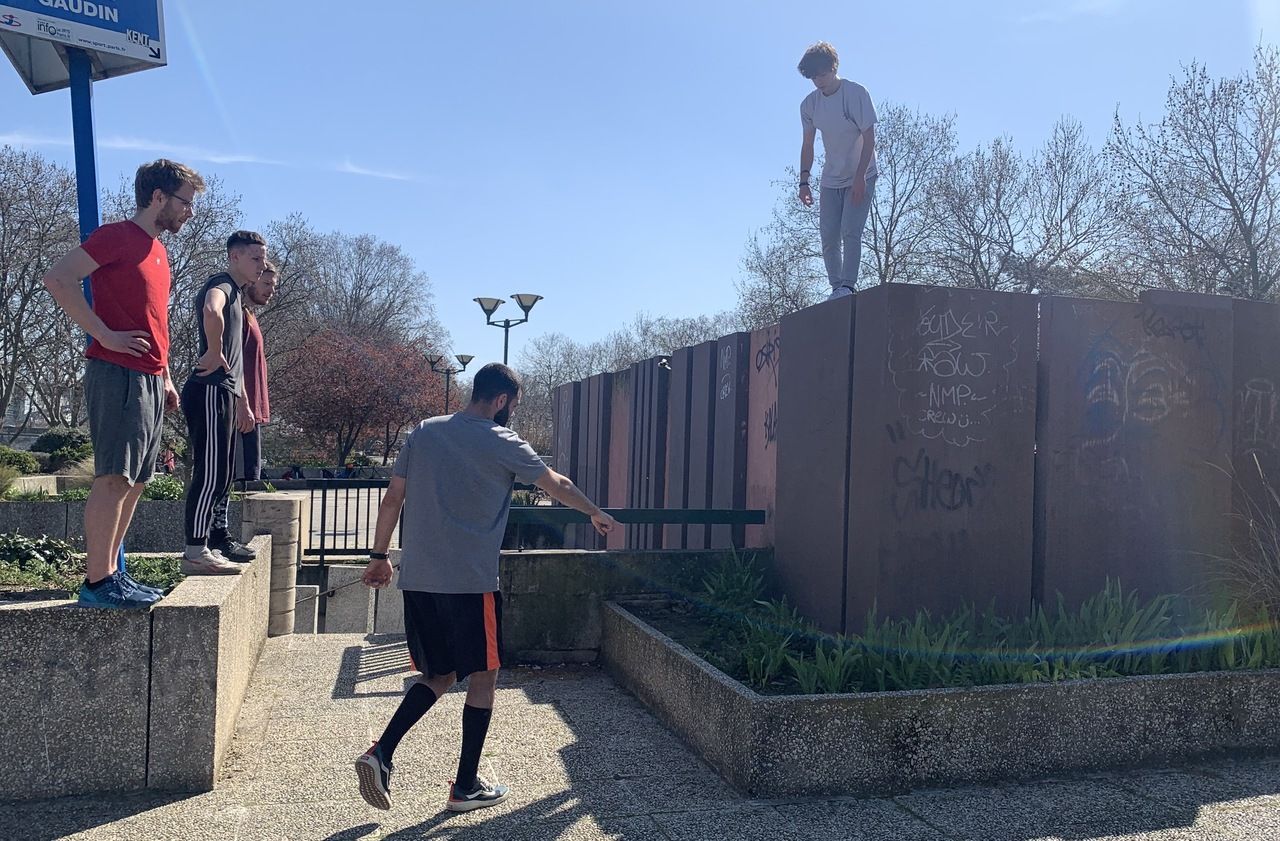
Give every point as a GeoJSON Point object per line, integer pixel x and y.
{"type": "Point", "coordinates": [839, 292]}
{"type": "Point", "coordinates": [210, 563]}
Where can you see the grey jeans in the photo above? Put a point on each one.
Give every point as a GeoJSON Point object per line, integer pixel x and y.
{"type": "Point", "coordinates": [840, 222]}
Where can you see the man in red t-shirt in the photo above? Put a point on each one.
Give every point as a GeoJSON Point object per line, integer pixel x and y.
{"type": "Point", "coordinates": [127, 383]}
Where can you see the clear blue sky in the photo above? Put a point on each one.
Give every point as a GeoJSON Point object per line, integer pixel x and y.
{"type": "Point", "coordinates": [612, 157]}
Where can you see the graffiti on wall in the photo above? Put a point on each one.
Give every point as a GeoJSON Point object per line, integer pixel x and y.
{"type": "Point", "coordinates": [1134, 389]}
{"type": "Point", "coordinates": [923, 483]}
{"type": "Point", "coordinates": [767, 360]}
{"type": "Point", "coordinates": [951, 372]}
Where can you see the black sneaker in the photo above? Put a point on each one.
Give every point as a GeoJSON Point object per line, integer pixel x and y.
{"type": "Point", "coordinates": [482, 795]}
{"type": "Point", "coordinates": [232, 550]}
{"type": "Point", "coordinates": [375, 778]}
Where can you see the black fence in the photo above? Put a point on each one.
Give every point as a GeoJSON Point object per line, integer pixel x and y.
{"type": "Point", "coordinates": [344, 515]}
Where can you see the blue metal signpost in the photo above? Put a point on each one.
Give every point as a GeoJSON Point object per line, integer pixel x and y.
{"type": "Point", "coordinates": [57, 44]}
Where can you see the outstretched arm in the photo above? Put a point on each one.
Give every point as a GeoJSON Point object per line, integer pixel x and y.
{"type": "Point", "coordinates": [563, 490]}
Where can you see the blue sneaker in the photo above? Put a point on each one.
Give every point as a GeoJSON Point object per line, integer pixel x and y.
{"type": "Point", "coordinates": [141, 591]}
{"type": "Point", "coordinates": [112, 594]}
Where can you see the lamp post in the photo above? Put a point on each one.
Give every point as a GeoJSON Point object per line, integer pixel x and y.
{"type": "Point", "coordinates": [490, 306]}
{"type": "Point", "coordinates": [435, 360]}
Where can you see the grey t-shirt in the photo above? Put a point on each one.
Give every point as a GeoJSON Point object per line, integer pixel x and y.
{"type": "Point", "coordinates": [232, 334]}
{"type": "Point", "coordinates": [458, 472]}
{"type": "Point", "coordinates": [841, 119]}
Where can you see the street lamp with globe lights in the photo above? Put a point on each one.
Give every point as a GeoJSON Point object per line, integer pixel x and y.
{"type": "Point", "coordinates": [438, 364]}
{"type": "Point", "coordinates": [490, 305]}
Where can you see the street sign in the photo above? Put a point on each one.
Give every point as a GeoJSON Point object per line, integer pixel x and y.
{"type": "Point", "coordinates": [120, 36]}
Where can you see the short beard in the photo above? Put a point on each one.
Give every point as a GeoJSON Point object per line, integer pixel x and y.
{"type": "Point", "coordinates": [165, 222]}
{"type": "Point", "coordinates": [502, 417]}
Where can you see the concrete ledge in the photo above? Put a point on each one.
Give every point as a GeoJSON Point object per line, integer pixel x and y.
{"type": "Point", "coordinates": [73, 699]}
{"type": "Point", "coordinates": [157, 523]}
{"type": "Point", "coordinates": [206, 638]}
{"type": "Point", "coordinates": [892, 742]}
{"type": "Point", "coordinates": [40, 482]}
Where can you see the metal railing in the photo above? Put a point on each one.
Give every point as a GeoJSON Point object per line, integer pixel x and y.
{"type": "Point", "coordinates": [358, 517]}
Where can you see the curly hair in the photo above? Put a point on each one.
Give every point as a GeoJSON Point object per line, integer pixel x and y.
{"type": "Point", "coordinates": [819, 59]}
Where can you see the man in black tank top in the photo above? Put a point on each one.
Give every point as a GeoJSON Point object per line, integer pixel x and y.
{"type": "Point", "coordinates": [210, 394]}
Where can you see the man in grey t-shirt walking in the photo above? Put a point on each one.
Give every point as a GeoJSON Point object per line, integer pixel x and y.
{"type": "Point", "coordinates": [843, 113]}
{"type": "Point", "coordinates": [453, 480]}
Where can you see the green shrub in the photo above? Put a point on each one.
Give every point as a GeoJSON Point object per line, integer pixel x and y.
{"type": "Point", "coordinates": [164, 487]}
{"type": "Point", "coordinates": [39, 562]}
{"type": "Point", "coordinates": [7, 475]}
{"type": "Point", "coordinates": [19, 460]}
{"type": "Point", "coordinates": [58, 437]}
{"type": "Point", "coordinates": [74, 495]}
{"type": "Point", "coordinates": [66, 456]}
{"type": "Point", "coordinates": [38, 495]}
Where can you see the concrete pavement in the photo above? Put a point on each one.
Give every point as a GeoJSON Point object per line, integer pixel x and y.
{"type": "Point", "coordinates": [586, 761]}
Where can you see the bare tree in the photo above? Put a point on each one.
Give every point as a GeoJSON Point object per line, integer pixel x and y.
{"type": "Point", "coordinates": [912, 152]}
{"type": "Point", "coordinates": [37, 226]}
{"type": "Point", "coordinates": [782, 270]}
{"type": "Point", "coordinates": [1070, 229]}
{"type": "Point", "coordinates": [360, 284]}
{"type": "Point", "coordinates": [1199, 192]}
{"type": "Point", "coordinates": [52, 377]}
{"type": "Point", "coordinates": [978, 215]}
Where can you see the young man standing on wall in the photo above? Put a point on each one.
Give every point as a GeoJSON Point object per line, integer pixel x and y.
{"type": "Point", "coordinates": [454, 479]}
{"type": "Point", "coordinates": [126, 382]}
{"type": "Point", "coordinates": [843, 113]}
{"type": "Point", "coordinates": [210, 394]}
{"type": "Point", "coordinates": [253, 409]}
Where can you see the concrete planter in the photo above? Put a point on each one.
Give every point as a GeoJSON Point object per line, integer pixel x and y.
{"type": "Point", "coordinates": [892, 742]}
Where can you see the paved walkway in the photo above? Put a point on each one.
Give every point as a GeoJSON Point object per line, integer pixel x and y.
{"type": "Point", "coordinates": [586, 761]}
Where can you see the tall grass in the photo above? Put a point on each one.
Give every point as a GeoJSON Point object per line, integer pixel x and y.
{"type": "Point", "coordinates": [770, 646]}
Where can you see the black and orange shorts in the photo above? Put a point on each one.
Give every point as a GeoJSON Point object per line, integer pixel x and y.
{"type": "Point", "coordinates": [453, 632]}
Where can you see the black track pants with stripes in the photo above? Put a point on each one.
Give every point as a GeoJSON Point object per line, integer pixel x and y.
{"type": "Point", "coordinates": [210, 412]}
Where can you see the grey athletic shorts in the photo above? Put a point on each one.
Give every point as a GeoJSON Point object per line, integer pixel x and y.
{"type": "Point", "coordinates": [126, 416]}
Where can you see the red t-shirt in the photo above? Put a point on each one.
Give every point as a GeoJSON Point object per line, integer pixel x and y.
{"type": "Point", "coordinates": [130, 292]}
{"type": "Point", "coordinates": [255, 369]}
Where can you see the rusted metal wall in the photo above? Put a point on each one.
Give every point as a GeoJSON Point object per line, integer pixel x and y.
{"type": "Point", "coordinates": [814, 395]}
{"type": "Point", "coordinates": [1255, 442]}
{"type": "Point", "coordinates": [729, 450]}
{"type": "Point", "coordinates": [945, 446]}
{"type": "Point", "coordinates": [941, 468]}
{"type": "Point", "coordinates": [619, 450]}
{"type": "Point", "coordinates": [650, 381]}
{"type": "Point", "coordinates": [762, 431]}
{"type": "Point", "coordinates": [679, 417]}
{"type": "Point", "coordinates": [701, 443]}
{"type": "Point", "coordinates": [1133, 439]}
{"type": "Point", "coordinates": [593, 451]}
{"type": "Point", "coordinates": [564, 413]}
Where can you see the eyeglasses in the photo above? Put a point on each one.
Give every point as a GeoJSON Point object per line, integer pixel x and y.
{"type": "Point", "coordinates": [187, 202]}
